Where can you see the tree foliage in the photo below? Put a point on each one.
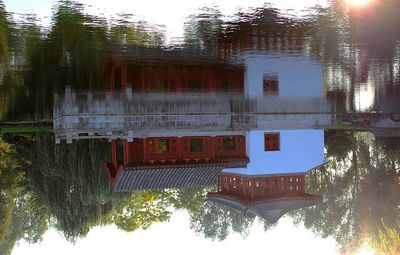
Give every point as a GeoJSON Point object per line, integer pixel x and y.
{"type": "Point", "coordinates": [71, 182]}
{"type": "Point", "coordinates": [387, 241]}
{"type": "Point", "coordinates": [142, 210]}
{"type": "Point", "coordinates": [21, 216]}
{"type": "Point", "coordinates": [4, 41]}
{"type": "Point", "coordinates": [218, 222]}
{"type": "Point", "coordinates": [354, 184]}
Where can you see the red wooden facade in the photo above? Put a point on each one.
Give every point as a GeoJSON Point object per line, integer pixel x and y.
{"type": "Point", "coordinates": [170, 76]}
{"type": "Point", "coordinates": [257, 188]}
{"type": "Point", "coordinates": [268, 197]}
{"type": "Point", "coordinates": [177, 78]}
{"type": "Point", "coordinates": [175, 150]}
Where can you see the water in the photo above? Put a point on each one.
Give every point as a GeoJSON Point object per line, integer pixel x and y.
{"type": "Point", "coordinates": [216, 129]}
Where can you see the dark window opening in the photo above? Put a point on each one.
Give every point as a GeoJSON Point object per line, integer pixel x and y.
{"type": "Point", "coordinates": [229, 143]}
{"type": "Point", "coordinates": [160, 85]}
{"type": "Point", "coordinates": [270, 84]}
{"type": "Point", "coordinates": [272, 142]}
{"type": "Point", "coordinates": [194, 85]}
{"type": "Point", "coordinates": [162, 146]}
{"type": "Point", "coordinates": [196, 145]}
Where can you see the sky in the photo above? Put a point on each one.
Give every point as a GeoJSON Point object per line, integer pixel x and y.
{"type": "Point", "coordinates": [175, 237]}
{"type": "Point", "coordinates": [300, 151]}
{"type": "Point", "coordinates": [171, 14]}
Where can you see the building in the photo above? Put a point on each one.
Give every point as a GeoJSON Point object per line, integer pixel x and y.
{"type": "Point", "coordinates": [269, 92]}
{"type": "Point", "coordinates": [173, 162]}
{"type": "Point", "coordinates": [268, 197]}
{"type": "Point", "coordinates": [282, 75]}
{"type": "Point", "coordinates": [180, 123]}
{"type": "Point", "coordinates": [273, 182]}
{"type": "Point", "coordinates": [156, 70]}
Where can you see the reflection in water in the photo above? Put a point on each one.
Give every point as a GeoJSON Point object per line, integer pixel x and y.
{"type": "Point", "coordinates": [256, 116]}
{"type": "Point", "coordinates": [262, 95]}
{"type": "Point", "coordinates": [127, 115]}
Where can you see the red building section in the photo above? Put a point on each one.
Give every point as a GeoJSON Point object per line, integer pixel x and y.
{"type": "Point", "coordinates": [253, 188]}
{"type": "Point", "coordinates": [172, 71]}
{"type": "Point", "coordinates": [177, 78]}
{"type": "Point", "coordinates": [175, 151]}
{"type": "Point", "coordinates": [185, 78]}
{"type": "Point", "coordinates": [268, 197]}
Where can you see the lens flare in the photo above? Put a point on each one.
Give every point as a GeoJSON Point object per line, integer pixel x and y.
{"type": "Point", "coordinates": [359, 3]}
{"type": "Point", "coordinates": [366, 249]}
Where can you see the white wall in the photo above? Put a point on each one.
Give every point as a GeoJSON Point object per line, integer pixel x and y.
{"type": "Point", "coordinates": [298, 76]}
{"type": "Point", "coordinates": [300, 151]}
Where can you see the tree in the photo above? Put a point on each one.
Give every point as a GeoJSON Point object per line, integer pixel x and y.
{"type": "Point", "coordinates": [70, 181]}
{"type": "Point", "coordinates": [388, 241]}
{"type": "Point", "coordinates": [21, 216]}
{"type": "Point", "coordinates": [217, 222]}
{"type": "Point", "coordinates": [4, 37]}
{"type": "Point", "coordinates": [126, 33]}
{"type": "Point", "coordinates": [202, 31]}
{"type": "Point", "coordinates": [353, 185]}
{"type": "Point", "coordinates": [142, 210]}
{"type": "Point", "coordinates": [10, 185]}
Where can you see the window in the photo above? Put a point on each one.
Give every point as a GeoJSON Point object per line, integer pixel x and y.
{"type": "Point", "coordinates": [194, 84]}
{"type": "Point", "coordinates": [196, 145]}
{"type": "Point", "coordinates": [160, 85]}
{"type": "Point", "coordinates": [162, 146]}
{"type": "Point", "coordinates": [229, 143]}
{"type": "Point", "coordinates": [270, 84]}
{"type": "Point", "coordinates": [272, 142]}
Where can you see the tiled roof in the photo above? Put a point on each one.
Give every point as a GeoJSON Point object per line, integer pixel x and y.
{"type": "Point", "coordinates": [158, 55]}
{"type": "Point", "coordinates": [164, 177]}
{"type": "Point", "coordinates": [269, 209]}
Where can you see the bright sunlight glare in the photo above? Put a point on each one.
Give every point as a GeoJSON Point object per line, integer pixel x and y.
{"type": "Point", "coordinates": [359, 3]}
{"type": "Point", "coordinates": [366, 250]}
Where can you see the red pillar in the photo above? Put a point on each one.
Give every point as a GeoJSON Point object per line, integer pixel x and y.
{"type": "Point", "coordinates": [253, 188]}
{"type": "Point", "coordinates": [179, 149]}
{"type": "Point", "coordinates": [240, 81]}
{"type": "Point", "coordinates": [142, 81]}
{"type": "Point", "coordinates": [123, 76]}
{"type": "Point", "coordinates": [213, 81]}
{"type": "Point", "coordinates": [144, 151]}
{"type": "Point", "coordinates": [177, 72]}
{"type": "Point", "coordinates": [213, 148]}
{"type": "Point", "coordinates": [112, 79]}
{"type": "Point", "coordinates": [185, 78]}
{"type": "Point", "coordinates": [171, 78]}
{"type": "Point", "coordinates": [114, 154]}
{"type": "Point", "coordinates": [126, 153]}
